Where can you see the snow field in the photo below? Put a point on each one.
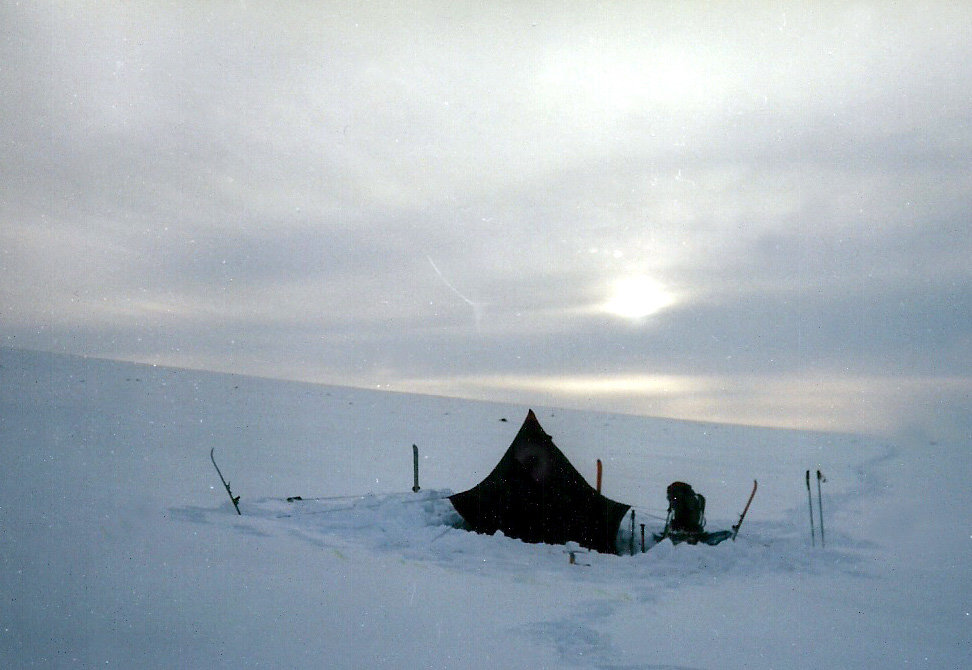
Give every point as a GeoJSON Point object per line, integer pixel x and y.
{"type": "Point", "coordinates": [121, 548]}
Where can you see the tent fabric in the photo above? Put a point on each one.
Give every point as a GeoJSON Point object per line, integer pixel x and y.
{"type": "Point", "coordinates": [536, 495]}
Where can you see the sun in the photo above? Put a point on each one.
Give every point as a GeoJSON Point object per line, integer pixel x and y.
{"type": "Point", "coordinates": [637, 297]}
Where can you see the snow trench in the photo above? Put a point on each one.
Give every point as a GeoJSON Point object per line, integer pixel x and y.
{"type": "Point", "coordinates": [424, 527]}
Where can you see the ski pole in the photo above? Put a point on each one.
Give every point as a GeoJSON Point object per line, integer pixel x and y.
{"type": "Point", "coordinates": [813, 536]}
{"type": "Point", "coordinates": [820, 478]}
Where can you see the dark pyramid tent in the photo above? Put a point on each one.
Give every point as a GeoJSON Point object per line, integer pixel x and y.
{"type": "Point", "coordinates": [536, 495]}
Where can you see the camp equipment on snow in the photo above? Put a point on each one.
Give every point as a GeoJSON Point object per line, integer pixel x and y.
{"type": "Point", "coordinates": [686, 509]}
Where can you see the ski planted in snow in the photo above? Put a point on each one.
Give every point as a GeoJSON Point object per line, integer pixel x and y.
{"type": "Point", "coordinates": [235, 500]}
{"type": "Point", "coordinates": [735, 529]}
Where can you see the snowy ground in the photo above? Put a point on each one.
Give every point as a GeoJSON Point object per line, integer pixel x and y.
{"type": "Point", "coordinates": [121, 549]}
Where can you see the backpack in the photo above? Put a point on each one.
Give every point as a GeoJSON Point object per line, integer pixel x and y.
{"type": "Point", "coordinates": [686, 509]}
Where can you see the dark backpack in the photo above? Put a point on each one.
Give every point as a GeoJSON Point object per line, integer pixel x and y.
{"type": "Point", "coordinates": [686, 509]}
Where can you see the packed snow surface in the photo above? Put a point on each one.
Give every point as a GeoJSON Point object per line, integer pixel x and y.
{"type": "Point", "coordinates": [120, 547]}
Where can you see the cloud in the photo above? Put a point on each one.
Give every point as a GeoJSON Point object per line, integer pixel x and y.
{"type": "Point", "coordinates": [261, 188]}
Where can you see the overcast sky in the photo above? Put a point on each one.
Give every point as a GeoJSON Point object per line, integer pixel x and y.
{"type": "Point", "coordinates": [701, 210]}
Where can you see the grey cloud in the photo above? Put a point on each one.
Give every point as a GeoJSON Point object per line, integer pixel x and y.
{"type": "Point", "coordinates": [897, 334]}
{"type": "Point", "coordinates": [368, 192]}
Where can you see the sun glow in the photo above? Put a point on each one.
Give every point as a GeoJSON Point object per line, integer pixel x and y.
{"type": "Point", "coordinates": [637, 297]}
{"type": "Point", "coordinates": [606, 81]}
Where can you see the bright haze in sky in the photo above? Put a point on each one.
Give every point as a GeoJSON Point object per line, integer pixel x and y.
{"type": "Point", "coordinates": [697, 210]}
